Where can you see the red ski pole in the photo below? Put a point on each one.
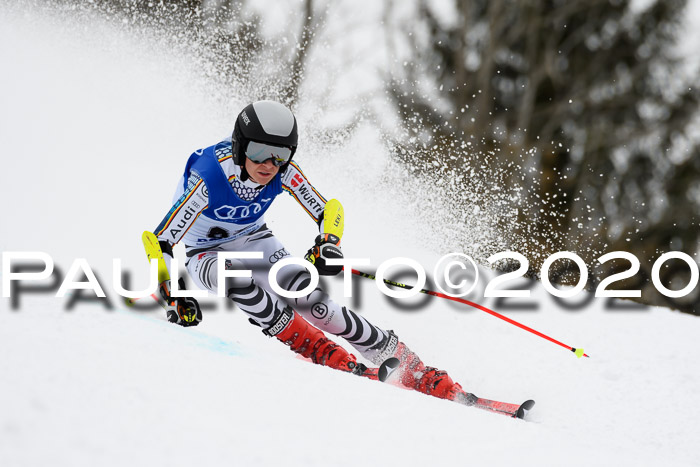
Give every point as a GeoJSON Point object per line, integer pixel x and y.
{"type": "Point", "coordinates": [578, 352]}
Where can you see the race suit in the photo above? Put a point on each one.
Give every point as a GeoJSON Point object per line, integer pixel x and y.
{"type": "Point", "coordinates": [215, 211]}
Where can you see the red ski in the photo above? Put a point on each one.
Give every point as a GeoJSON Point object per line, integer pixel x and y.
{"type": "Point", "coordinates": [505, 408]}
{"type": "Point", "coordinates": [384, 371]}
{"type": "Point", "coordinates": [464, 398]}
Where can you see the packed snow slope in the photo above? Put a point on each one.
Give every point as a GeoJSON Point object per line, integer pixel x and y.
{"type": "Point", "coordinates": [94, 131]}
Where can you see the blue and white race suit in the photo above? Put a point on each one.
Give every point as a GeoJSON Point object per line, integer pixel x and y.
{"type": "Point", "coordinates": [214, 211]}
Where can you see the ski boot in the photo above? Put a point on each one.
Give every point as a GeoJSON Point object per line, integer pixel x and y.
{"type": "Point", "coordinates": [309, 342]}
{"type": "Point", "coordinates": [412, 372]}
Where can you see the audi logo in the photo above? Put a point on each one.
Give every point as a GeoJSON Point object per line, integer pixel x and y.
{"type": "Point", "coordinates": [278, 255]}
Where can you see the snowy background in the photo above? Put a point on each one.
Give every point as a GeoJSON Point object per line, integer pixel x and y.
{"type": "Point", "coordinates": [95, 126]}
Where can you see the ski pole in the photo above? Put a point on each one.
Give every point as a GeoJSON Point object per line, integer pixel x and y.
{"type": "Point", "coordinates": [130, 301]}
{"type": "Point", "coordinates": [578, 352]}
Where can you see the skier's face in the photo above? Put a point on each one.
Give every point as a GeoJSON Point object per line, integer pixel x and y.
{"type": "Point", "coordinates": [261, 173]}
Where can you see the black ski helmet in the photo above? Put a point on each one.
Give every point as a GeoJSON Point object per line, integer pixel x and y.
{"type": "Point", "coordinates": [266, 122]}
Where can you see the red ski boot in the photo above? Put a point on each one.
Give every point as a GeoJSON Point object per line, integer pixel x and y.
{"type": "Point", "coordinates": [412, 372]}
{"type": "Point", "coordinates": [438, 383]}
{"type": "Point", "coordinates": [303, 338]}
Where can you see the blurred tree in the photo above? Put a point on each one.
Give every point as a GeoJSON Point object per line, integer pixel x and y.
{"type": "Point", "coordinates": [228, 35]}
{"type": "Point", "coordinates": [589, 98]}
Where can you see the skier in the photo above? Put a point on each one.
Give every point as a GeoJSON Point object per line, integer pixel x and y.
{"type": "Point", "coordinates": [219, 207]}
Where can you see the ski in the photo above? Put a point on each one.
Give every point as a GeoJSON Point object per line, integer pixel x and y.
{"type": "Point", "coordinates": [505, 408]}
{"type": "Point", "coordinates": [464, 398]}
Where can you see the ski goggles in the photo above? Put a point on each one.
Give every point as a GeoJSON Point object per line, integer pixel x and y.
{"type": "Point", "coordinates": [261, 152]}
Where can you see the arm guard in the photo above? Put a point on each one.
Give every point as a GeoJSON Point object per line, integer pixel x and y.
{"type": "Point", "coordinates": [333, 218]}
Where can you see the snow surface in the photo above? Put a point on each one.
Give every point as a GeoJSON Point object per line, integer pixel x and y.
{"type": "Point", "coordinates": [94, 130]}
